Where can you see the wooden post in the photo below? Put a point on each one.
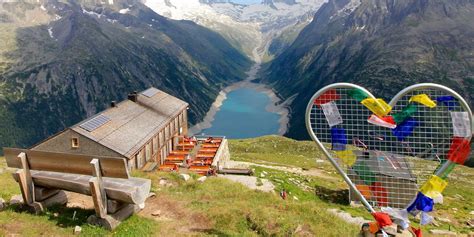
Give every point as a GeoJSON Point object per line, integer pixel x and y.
{"type": "Point", "coordinates": [26, 182]}
{"type": "Point", "coordinates": [97, 190]}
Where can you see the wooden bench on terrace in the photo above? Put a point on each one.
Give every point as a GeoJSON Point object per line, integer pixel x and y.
{"type": "Point", "coordinates": [179, 152]}
{"type": "Point", "coordinates": [43, 176]}
{"type": "Point", "coordinates": [210, 145]}
{"type": "Point", "coordinates": [200, 169]}
{"type": "Point", "coordinates": [207, 150]}
{"type": "Point", "coordinates": [169, 167]}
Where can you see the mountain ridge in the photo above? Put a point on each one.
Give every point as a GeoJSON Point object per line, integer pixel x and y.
{"type": "Point", "coordinates": [381, 45]}
{"type": "Point", "coordinates": [82, 56]}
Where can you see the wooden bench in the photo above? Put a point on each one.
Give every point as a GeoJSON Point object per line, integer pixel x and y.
{"type": "Point", "coordinates": [207, 150]}
{"type": "Point", "coordinates": [210, 145]}
{"type": "Point", "coordinates": [205, 155]}
{"type": "Point", "coordinates": [43, 176]}
{"type": "Point", "coordinates": [175, 159]}
{"type": "Point", "coordinates": [202, 162]}
{"type": "Point", "coordinates": [169, 167]}
{"type": "Point", "coordinates": [200, 169]}
{"type": "Point", "coordinates": [179, 153]}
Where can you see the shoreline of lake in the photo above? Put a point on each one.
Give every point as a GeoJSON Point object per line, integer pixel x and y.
{"type": "Point", "coordinates": [276, 105]}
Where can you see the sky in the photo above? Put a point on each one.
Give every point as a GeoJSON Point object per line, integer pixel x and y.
{"type": "Point", "coordinates": [247, 1]}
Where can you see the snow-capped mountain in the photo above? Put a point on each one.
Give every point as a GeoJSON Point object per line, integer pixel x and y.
{"type": "Point", "coordinates": [247, 27]}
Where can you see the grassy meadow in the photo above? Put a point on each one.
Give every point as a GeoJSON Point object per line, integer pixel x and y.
{"type": "Point", "coordinates": [219, 207]}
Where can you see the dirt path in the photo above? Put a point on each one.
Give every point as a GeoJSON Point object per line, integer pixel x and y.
{"type": "Point", "coordinates": [295, 170]}
{"type": "Point", "coordinates": [251, 182]}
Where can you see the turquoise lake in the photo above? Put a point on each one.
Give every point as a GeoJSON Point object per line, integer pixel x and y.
{"type": "Point", "coordinates": [243, 114]}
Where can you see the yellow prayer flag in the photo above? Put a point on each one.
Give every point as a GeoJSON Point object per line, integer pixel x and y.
{"type": "Point", "coordinates": [423, 99]}
{"type": "Point", "coordinates": [377, 106]}
{"type": "Point", "coordinates": [433, 187]}
{"type": "Point", "coordinates": [347, 156]}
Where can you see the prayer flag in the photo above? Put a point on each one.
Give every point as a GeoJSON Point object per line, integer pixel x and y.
{"type": "Point", "coordinates": [421, 203]}
{"type": "Point", "coordinates": [347, 156]}
{"type": "Point", "coordinates": [377, 106]}
{"type": "Point", "coordinates": [338, 139]}
{"type": "Point", "coordinates": [423, 99]}
{"type": "Point", "coordinates": [387, 121]}
{"type": "Point", "coordinates": [331, 113]}
{"type": "Point", "coordinates": [380, 193]}
{"type": "Point", "coordinates": [461, 124]}
{"type": "Point", "coordinates": [407, 112]}
{"type": "Point", "coordinates": [364, 190]}
{"type": "Point", "coordinates": [364, 172]}
{"type": "Point", "coordinates": [448, 101]}
{"type": "Point", "coordinates": [433, 187]}
{"type": "Point", "coordinates": [358, 94]}
{"type": "Point", "coordinates": [405, 129]}
{"type": "Point", "coordinates": [383, 219]}
{"type": "Point", "coordinates": [459, 150]}
{"type": "Point", "coordinates": [327, 96]}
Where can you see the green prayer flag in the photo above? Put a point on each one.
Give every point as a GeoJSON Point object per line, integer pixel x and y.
{"type": "Point", "coordinates": [357, 94]}
{"type": "Point", "coordinates": [405, 113]}
{"type": "Point", "coordinates": [448, 170]}
{"type": "Point", "coordinates": [364, 173]}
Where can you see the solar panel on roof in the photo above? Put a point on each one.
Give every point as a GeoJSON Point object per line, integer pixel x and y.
{"type": "Point", "coordinates": [150, 92]}
{"type": "Point", "coordinates": [94, 123]}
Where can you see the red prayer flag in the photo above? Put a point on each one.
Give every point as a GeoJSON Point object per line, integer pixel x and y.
{"type": "Point", "coordinates": [380, 193]}
{"type": "Point", "coordinates": [459, 150]}
{"type": "Point", "coordinates": [326, 97]}
{"type": "Point", "coordinates": [383, 219]}
{"type": "Point", "coordinates": [417, 232]}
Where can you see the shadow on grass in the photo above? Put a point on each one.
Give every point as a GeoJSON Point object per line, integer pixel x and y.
{"type": "Point", "coordinates": [212, 232]}
{"type": "Point", "coordinates": [60, 214]}
{"type": "Point", "coordinates": [339, 196]}
{"type": "Point", "coordinates": [68, 216]}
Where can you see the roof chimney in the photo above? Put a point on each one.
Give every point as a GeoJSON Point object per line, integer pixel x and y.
{"type": "Point", "coordinates": [133, 97]}
{"type": "Point", "coordinates": [113, 104]}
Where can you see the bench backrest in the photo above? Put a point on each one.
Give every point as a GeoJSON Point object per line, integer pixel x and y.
{"type": "Point", "coordinates": [114, 167]}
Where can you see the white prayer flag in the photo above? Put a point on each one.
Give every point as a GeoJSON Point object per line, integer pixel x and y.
{"type": "Point", "coordinates": [461, 124]}
{"type": "Point", "coordinates": [332, 113]}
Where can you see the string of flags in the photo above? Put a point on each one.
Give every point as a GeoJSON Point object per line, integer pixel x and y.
{"type": "Point", "coordinates": [402, 125]}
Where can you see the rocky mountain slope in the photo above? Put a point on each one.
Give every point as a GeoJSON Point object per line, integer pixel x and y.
{"type": "Point", "coordinates": [61, 61]}
{"type": "Point", "coordinates": [383, 45]}
{"type": "Point", "coordinates": [245, 26]}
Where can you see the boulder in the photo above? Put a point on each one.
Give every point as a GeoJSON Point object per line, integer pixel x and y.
{"type": "Point", "coordinates": [442, 233]}
{"type": "Point", "coordinates": [186, 177]}
{"type": "Point", "coordinates": [2, 204]}
{"type": "Point", "coordinates": [202, 179]}
{"type": "Point", "coordinates": [77, 230]}
{"type": "Point", "coordinates": [16, 199]}
{"type": "Point", "coordinates": [156, 213]}
{"type": "Point", "coordinates": [163, 182]}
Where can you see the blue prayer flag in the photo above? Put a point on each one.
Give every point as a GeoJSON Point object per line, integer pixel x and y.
{"type": "Point", "coordinates": [405, 129]}
{"type": "Point", "coordinates": [421, 203]}
{"type": "Point", "coordinates": [338, 139]}
{"type": "Point", "coordinates": [448, 101]}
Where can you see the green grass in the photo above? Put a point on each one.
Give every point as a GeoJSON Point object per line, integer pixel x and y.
{"type": "Point", "coordinates": [215, 207]}
{"type": "Point", "coordinates": [219, 207]}
{"type": "Point", "coordinates": [276, 150]}
{"type": "Point", "coordinates": [280, 151]}
{"type": "Point", "coordinates": [7, 184]}
{"type": "Point", "coordinates": [235, 210]}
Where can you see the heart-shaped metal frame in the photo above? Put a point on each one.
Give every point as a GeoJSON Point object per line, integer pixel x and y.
{"type": "Point", "coordinates": [402, 97]}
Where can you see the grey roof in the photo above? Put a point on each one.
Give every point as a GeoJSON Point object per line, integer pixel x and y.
{"type": "Point", "coordinates": [132, 124]}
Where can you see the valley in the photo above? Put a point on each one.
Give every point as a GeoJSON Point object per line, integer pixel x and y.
{"type": "Point", "coordinates": [251, 109]}
{"type": "Point", "coordinates": [259, 30]}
